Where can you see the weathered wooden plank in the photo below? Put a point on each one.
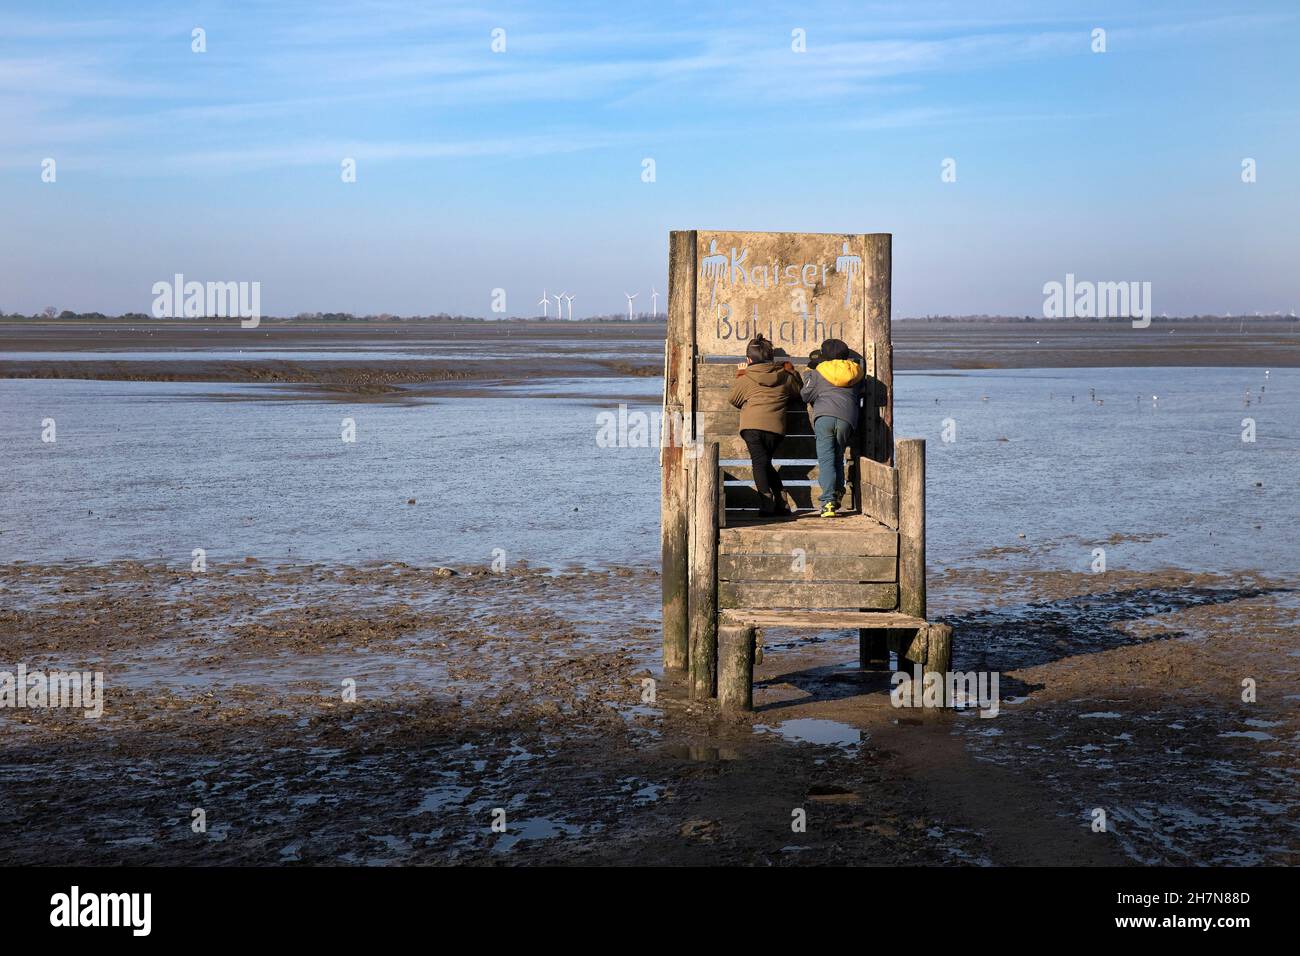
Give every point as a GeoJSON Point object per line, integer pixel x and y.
{"type": "Point", "coordinates": [712, 425]}
{"type": "Point", "coordinates": [747, 281]}
{"type": "Point", "coordinates": [813, 595]}
{"type": "Point", "coordinates": [722, 504]}
{"type": "Point", "coordinates": [789, 472]}
{"type": "Point", "coordinates": [813, 526]}
{"type": "Point", "coordinates": [712, 399]}
{"type": "Point", "coordinates": [746, 497]}
{"type": "Point", "coordinates": [877, 494]}
{"type": "Point", "coordinates": [885, 399]}
{"type": "Point", "coordinates": [912, 647]}
{"type": "Point", "coordinates": [879, 502]}
{"type": "Point", "coordinates": [876, 278]}
{"type": "Point", "coordinates": [736, 667]}
{"type": "Point", "coordinates": [715, 377]}
{"type": "Point", "coordinates": [703, 663]}
{"type": "Point", "coordinates": [718, 378]}
{"type": "Point", "coordinates": [799, 447]}
{"type": "Point", "coordinates": [931, 648]}
{"type": "Point", "coordinates": [881, 543]}
{"type": "Point", "coordinates": [911, 525]}
{"type": "Point", "coordinates": [879, 475]}
{"type": "Point", "coordinates": [938, 657]}
{"type": "Point", "coordinates": [802, 567]}
{"type": "Point", "coordinates": [719, 399]}
{"type": "Point", "coordinates": [820, 620]}
{"type": "Point", "coordinates": [674, 506]}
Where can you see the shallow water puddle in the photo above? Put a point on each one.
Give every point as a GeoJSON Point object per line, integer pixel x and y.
{"type": "Point", "coordinates": [439, 798]}
{"type": "Point", "coordinates": [536, 828]}
{"type": "Point", "coordinates": [811, 730]}
{"type": "Point", "coordinates": [641, 791]}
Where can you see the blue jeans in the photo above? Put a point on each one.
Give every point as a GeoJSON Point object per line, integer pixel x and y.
{"type": "Point", "coordinates": [833, 436]}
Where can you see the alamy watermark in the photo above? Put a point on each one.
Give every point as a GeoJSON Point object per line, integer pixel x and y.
{"type": "Point", "coordinates": [40, 690]}
{"type": "Point", "coordinates": [631, 428]}
{"type": "Point", "coordinates": [208, 300]}
{"type": "Point", "coordinates": [1098, 300]}
{"type": "Point", "coordinates": [75, 908]}
{"type": "Point", "coordinates": [977, 689]}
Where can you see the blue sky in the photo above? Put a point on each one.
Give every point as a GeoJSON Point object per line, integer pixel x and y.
{"type": "Point", "coordinates": [523, 169]}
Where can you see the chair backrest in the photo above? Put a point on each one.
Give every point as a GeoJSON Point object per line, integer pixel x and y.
{"type": "Point", "coordinates": [797, 289]}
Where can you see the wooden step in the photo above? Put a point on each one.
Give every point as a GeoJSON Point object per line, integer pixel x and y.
{"type": "Point", "coordinates": [819, 620]}
{"type": "Point", "coordinates": [808, 568]}
{"type": "Point", "coordinates": [743, 500]}
{"type": "Point", "coordinates": [848, 522]}
{"type": "Point", "coordinates": [712, 426]}
{"type": "Point", "coordinates": [798, 595]}
{"type": "Point", "coordinates": [851, 534]}
{"type": "Point", "coordinates": [792, 448]}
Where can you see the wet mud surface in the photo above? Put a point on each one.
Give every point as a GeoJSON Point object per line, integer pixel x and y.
{"type": "Point", "coordinates": [526, 691]}
{"type": "Point", "coordinates": [393, 361]}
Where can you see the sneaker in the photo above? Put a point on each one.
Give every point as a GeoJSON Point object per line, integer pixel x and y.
{"type": "Point", "coordinates": [828, 510]}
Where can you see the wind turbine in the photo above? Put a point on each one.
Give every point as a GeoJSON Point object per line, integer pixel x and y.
{"type": "Point", "coordinates": [544, 303]}
{"type": "Point", "coordinates": [654, 300]}
{"type": "Point", "coordinates": [629, 303]}
{"type": "Point", "coordinates": [569, 298]}
{"type": "Point", "coordinates": [559, 310]}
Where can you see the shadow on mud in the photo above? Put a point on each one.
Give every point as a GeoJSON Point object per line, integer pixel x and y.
{"type": "Point", "coordinates": [1027, 635]}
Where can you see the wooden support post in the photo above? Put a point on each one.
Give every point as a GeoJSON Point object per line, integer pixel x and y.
{"type": "Point", "coordinates": [675, 544]}
{"type": "Point", "coordinates": [873, 648]}
{"type": "Point", "coordinates": [704, 575]}
{"type": "Point", "coordinates": [938, 655]}
{"type": "Point", "coordinates": [911, 526]}
{"type": "Point", "coordinates": [931, 648]}
{"type": "Point", "coordinates": [878, 442]}
{"type": "Point", "coordinates": [735, 667]}
{"type": "Point", "coordinates": [678, 409]}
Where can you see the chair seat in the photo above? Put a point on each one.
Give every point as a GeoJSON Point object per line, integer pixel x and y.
{"type": "Point", "coordinates": [819, 620]}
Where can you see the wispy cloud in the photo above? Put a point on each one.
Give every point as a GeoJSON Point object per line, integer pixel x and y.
{"type": "Point", "coordinates": [335, 70]}
{"type": "Point", "coordinates": [332, 152]}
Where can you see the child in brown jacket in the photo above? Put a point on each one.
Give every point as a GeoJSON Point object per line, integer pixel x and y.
{"type": "Point", "coordinates": [762, 392]}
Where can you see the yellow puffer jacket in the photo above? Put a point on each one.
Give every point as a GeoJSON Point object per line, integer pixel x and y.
{"type": "Point", "coordinates": [840, 372]}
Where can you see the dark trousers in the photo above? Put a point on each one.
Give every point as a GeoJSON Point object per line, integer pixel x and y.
{"type": "Point", "coordinates": [762, 447]}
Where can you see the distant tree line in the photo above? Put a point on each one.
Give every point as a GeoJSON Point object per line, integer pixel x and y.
{"type": "Point", "coordinates": [1109, 320]}
{"type": "Point", "coordinates": [51, 313]}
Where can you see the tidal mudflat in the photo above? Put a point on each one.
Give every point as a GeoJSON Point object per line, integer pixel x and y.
{"type": "Point", "coordinates": [395, 360]}
{"type": "Point", "coordinates": [458, 612]}
{"type": "Point", "coordinates": [527, 691]}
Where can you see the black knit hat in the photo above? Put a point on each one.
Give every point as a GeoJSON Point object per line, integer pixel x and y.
{"type": "Point", "coordinates": [834, 349]}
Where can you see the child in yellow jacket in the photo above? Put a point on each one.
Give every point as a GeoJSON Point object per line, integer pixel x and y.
{"type": "Point", "coordinates": [833, 392]}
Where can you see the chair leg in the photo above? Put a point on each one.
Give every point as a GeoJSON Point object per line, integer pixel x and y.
{"type": "Point", "coordinates": [873, 648]}
{"type": "Point", "coordinates": [735, 667]}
